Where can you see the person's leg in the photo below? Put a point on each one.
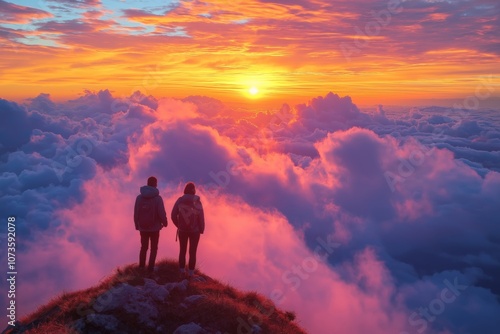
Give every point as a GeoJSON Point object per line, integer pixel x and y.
{"type": "Point", "coordinates": [155, 236]}
{"type": "Point", "coordinates": [183, 240]}
{"type": "Point", "coordinates": [194, 238]}
{"type": "Point", "coordinates": [144, 249]}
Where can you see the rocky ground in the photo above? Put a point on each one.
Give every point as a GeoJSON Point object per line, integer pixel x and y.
{"type": "Point", "coordinates": [132, 301]}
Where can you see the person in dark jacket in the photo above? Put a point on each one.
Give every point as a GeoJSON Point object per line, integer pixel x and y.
{"type": "Point", "coordinates": [149, 218]}
{"type": "Point", "coordinates": [188, 217]}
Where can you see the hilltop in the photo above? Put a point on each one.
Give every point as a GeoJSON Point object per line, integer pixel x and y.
{"type": "Point", "coordinates": [131, 301]}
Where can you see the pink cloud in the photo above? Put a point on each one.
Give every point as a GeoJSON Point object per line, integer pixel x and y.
{"type": "Point", "coordinates": [243, 245]}
{"type": "Point", "coordinates": [389, 245]}
{"type": "Point", "coordinates": [12, 13]}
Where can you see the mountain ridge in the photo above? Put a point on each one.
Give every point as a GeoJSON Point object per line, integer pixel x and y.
{"type": "Point", "coordinates": [133, 301]}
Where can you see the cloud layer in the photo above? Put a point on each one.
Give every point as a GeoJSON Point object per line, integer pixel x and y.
{"type": "Point", "coordinates": [380, 221]}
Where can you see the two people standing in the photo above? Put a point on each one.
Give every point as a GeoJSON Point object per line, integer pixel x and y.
{"type": "Point", "coordinates": [150, 217]}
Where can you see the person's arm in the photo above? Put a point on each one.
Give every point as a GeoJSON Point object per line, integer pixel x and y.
{"type": "Point", "coordinates": [136, 213]}
{"type": "Point", "coordinates": [162, 213]}
{"type": "Point", "coordinates": [201, 216]}
{"type": "Point", "coordinates": [175, 214]}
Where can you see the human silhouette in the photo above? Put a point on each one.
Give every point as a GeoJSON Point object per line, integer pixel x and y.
{"type": "Point", "coordinates": [149, 218]}
{"type": "Point", "coordinates": [188, 217]}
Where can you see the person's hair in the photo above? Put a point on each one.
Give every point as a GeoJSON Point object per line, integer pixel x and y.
{"type": "Point", "coordinates": [152, 181]}
{"type": "Point", "coordinates": [190, 188]}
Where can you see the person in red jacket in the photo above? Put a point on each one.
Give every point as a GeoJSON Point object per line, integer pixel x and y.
{"type": "Point", "coordinates": [188, 217]}
{"type": "Point", "coordinates": [149, 218]}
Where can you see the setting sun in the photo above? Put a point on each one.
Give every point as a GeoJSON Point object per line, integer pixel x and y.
{"type": "Point", "coordinates": [253, 91]}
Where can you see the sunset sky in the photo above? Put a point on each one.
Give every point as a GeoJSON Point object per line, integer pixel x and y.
{"type": "Point", "coordinates": [347, 153]}
{"type": "Point", "coordinates": [387, 52]}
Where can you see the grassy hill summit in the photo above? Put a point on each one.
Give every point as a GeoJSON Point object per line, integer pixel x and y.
{"type": "Point", "coordinates": [131, 301]}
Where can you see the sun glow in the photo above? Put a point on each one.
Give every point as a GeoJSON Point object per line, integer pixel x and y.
{"type": "Point", "coordinates": [253, 91]}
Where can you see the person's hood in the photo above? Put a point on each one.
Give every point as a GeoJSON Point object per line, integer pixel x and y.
{"type": "Point", "coordinates": [149, 192]}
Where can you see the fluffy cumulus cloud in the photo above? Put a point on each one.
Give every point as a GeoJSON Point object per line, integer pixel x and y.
{"type": "Point", "coordinates": [380, 221]}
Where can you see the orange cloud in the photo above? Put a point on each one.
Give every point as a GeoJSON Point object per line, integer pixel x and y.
{"type": "Point", "coordinates": [293, 49]}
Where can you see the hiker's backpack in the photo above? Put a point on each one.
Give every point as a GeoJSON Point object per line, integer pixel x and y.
{"type": "Point", "coordinates": [189, 215]}
{"type": "Point", "coordinates": [147, 213]}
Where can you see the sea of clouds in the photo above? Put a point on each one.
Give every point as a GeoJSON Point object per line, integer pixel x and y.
{"type": "Point", "coordinates": [383, 221]}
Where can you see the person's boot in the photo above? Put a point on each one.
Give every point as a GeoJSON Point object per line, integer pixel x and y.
{"type": "Point", "coordinates": [182, 273]}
